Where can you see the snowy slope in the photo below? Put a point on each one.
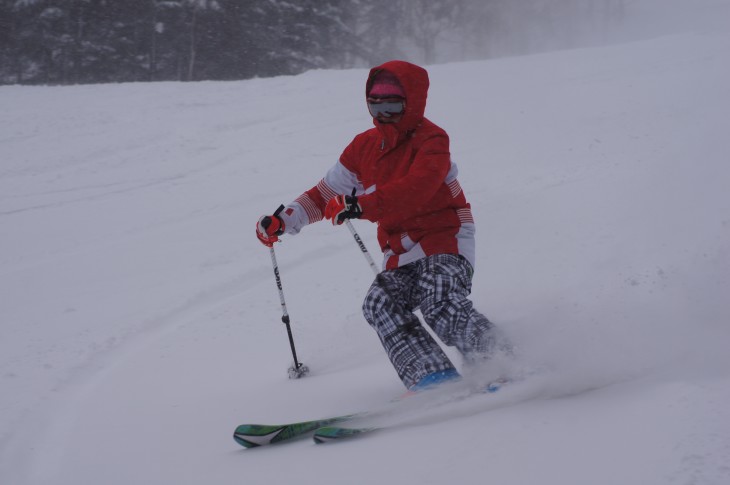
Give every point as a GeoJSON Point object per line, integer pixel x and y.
{"type": "Point", "coordinates": [139, 321]}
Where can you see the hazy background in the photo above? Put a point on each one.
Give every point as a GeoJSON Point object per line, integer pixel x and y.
{"type": "Point", "coordinates": [98, 41]}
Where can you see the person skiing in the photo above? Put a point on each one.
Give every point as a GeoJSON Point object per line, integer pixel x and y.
{"type": "Point", "coordinates": [399, 175]}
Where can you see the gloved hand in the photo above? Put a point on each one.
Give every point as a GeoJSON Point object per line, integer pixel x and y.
{"type": "Point", "coordinates": [343, 207]}
{"type": "Point", "coordinates": [269, 228]}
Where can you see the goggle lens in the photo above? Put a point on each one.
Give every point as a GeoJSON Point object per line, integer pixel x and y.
{"type": "Point", "coordinates": [385, 108]}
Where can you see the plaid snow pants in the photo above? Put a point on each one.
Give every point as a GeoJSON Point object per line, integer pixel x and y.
{"type": "Point", "coordinates": [439, 286]}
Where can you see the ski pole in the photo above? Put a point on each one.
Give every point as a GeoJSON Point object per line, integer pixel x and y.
{"type": "Point", "coordinates": [364, 250]}
{"type": "Point", "coordinates": [298, 369]}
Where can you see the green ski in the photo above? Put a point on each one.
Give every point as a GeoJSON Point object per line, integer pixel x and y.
{"type": "Point", "coordinates": [324, 430]}
{"type": "Point", "coordinates": [253, 435]}
{"type": "Point", "coordinates": [326, 434]}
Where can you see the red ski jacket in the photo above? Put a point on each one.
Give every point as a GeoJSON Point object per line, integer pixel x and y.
{"type": "Point", "coordinates": [405, 182]}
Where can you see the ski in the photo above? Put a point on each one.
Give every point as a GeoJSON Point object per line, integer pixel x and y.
{"type": "Point", "coordinates": [253, 435]}
{"type": "Point", "coordinates": [332, 432]}
{"type": "Point", "coordinates": [326, 434]}
{"type": "Point", "coordinates": [328, 429]}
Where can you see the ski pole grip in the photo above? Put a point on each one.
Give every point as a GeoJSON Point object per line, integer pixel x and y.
{"type": "Point", "coordinates": [278, 211]}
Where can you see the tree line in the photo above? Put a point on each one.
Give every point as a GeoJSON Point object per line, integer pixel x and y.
{"type": "Point", "coordinates": [98, 41]}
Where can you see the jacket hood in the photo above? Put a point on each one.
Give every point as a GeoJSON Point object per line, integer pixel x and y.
{"type": "Point", "coordinates": [414, 80]}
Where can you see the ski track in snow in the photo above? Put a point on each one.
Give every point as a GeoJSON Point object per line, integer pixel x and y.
{"type": "Point", "coordinates": [141, 323]}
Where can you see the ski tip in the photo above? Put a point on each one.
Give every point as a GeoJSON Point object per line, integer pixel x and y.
{"type": "Point", "coordinates": [241, 440]}
{"type": "Point", "coordinates": [253, 435]}
{"type": "Point", "coordinates": [321, 439]}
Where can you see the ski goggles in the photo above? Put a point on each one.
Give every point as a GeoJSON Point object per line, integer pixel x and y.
{"type": "Point", "coordinates": [386, 107]}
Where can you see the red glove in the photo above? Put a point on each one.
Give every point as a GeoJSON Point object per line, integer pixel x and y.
{"type": "Point", "coordinates": [343, 207]}
{"type": "Point", "coordinates": [269, 228]}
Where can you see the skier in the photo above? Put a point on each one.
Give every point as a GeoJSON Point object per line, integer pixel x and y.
{"type": "Point", "coordinates": [399, 175]}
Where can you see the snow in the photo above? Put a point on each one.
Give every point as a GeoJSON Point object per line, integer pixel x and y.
{"type": "Point", "coordinates": [141, 322]}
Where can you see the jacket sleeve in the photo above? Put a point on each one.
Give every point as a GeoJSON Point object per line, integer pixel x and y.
{"type": "Point", "coordinates": [309, 207]}
{"type": "Point", "coordinates": [404, 196]}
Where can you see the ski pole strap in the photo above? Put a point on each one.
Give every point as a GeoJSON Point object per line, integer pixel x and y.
{"type": "Point", "coordinates": [364, 250]}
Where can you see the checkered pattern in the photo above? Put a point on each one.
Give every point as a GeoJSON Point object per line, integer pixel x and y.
{"type": "Point", "coordinates": [439, 286]}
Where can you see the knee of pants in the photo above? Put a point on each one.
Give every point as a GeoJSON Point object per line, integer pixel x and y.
{"type": "Point", "coordinates": [371, 305]}
{"type": "Point", "coordinates": [449, 319]}
{"type": "Point", "coordinates": [452, 306]}
{"type": "Point", "coordinates": [386, 314]}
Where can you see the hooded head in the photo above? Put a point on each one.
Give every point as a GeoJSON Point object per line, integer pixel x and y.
{"type": "Point", "coordinates": [405, 80]}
